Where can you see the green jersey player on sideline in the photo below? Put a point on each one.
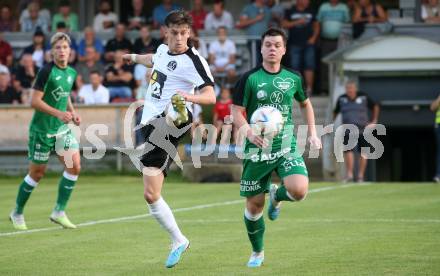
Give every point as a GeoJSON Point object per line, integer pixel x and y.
{"type": "Point", "coordinates": [48, 132]}
{"type": "Point", "coordinates": [271, 84]}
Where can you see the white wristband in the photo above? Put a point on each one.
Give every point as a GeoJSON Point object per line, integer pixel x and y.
{"type": "Point", "coordinates": [133, 58]}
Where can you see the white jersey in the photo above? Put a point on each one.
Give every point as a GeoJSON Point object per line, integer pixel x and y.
{"type": "Point", "coordinates": [172, 73]}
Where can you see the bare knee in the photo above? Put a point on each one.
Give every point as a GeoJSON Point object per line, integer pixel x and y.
{"type": "Point", "coordinates": [37, 174]}
{"type": "Point", "coordinates": [151, 197]}
{"type": "Point", "coordinates": [298, 194]}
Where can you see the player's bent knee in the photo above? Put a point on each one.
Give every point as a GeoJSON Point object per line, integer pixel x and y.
{"type": "Point", "coordinates": [150, 198]}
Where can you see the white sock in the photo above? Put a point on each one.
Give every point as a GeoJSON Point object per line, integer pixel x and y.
{"type": "Point", "coordinates": [162, 213]}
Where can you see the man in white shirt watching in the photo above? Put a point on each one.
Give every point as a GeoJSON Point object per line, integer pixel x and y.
{"type": "Point", "coordinates": [95, 92]}
{"type": "Point", "coordinates": [222, 56]}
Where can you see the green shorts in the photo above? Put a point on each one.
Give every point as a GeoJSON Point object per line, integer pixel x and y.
{"type": "Point", "coordinates": [256, 175]}
{"type": "Point", "coordinates": [42, 144]}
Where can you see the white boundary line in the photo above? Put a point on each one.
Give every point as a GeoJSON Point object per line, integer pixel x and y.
{"type": "Point", "coordinates": [196, 207]}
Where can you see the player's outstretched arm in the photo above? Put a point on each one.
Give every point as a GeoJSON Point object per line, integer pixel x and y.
{"type": "Point", "coordinates": [146, 60]}
{"type": "Point", "coordinates": [242, 125]}
{"type": "Point", "coordinates": [38, 103]}
{"type": "Point", "coordinates": [309, 114]}
{"type": "Point", "coordinates": [206, 96]}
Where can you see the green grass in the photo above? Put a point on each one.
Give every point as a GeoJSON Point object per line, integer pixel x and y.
{"type": "Point", "coordinates": [383, 229]}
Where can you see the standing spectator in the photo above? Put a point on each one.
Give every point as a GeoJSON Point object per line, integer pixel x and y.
{"type": "Point", "coordinates": [255, 19]}
{"type": "Point", "coordinates": [62, 28]}
{"type": "Point", "coordinates": [435, 107]}
{"type": "Point", "coordinates": [219, 17]}
{"type": "Point", "coordinates": [331, 16]}
{"type": "Point", "coordinates": [90, 39]}
{"type": "Point", "coordinates": [87, 66]}
{"type": "Point", "coordinates": [222, 55]}
{"type": "Point", "coordinates": [354, 107]}
{"type": "Point", "coordinates": [42, 13]}
{"type": "Point", "coordinates": [277, 12]}
{"type": "Point", "coordinates": [35, 20]}
{"type": "Point", "coordinates": [95, 92]}
{"type": "Point", "coordinates": [6, 57]}
{"type": "Point", "coordinates": [8, 95]}
{"type": "Point", "coordinates": [303, 29]}
{"type": "Point", "coordinates": [161, 11]}
{"type": "Point", "coordinates": [145, 44]}
{"type": "Point", "coordinates": [198, 15]}
{"type": "Point", "coordinates": [367, 12]}
{"type": "Point", "coordinates": [222, 112]}
{"type": "Point", "coordinates": [65, 15]}
{"type": "Point", "coordinates": [37, 48]}
{"type": "Point", "coordinates": [137, 16]}
{"type": "Point", "coordinates": [7, 22]}
{"type": "Point", "coordinates": [431, 12]}
{"type": "Point", "coordinates": [119, 42]}
{"type": "Point", "coordinates": [105, 20]}
{"type": "Point", "coordinates": [24, 77]}
{"type": "Point", "coordinates": [118, 78]}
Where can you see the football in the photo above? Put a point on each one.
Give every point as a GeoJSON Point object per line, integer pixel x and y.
{"type": "Point", "coordinates": [267, 121]}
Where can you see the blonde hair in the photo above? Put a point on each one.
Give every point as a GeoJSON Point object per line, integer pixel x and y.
{"type": "Point", "coordinates": [59, 36]}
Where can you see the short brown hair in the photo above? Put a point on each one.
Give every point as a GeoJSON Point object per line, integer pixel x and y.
{"type": "Point", "coordinates": [178, 17]}
{"type": "Point", "coordinates": [275, 32]}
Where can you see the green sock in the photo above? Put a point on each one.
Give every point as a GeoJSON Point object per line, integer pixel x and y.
{"type": "Point", "coordinates": [24, 192]}
{"type": "Point", "coordinates": [255, 231]}
{"type": "Point", "coordinates": [65, 188]}
{"type": "Point", "coordinates": [281, 194]}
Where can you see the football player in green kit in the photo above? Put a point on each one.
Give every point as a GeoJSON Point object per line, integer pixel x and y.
{"type": "Point", "coordinates": [48, 132]}
{"type": "Point", "coordinates": [271, 84]}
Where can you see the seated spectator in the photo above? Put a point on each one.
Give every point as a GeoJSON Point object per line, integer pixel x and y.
{"type": "Point", "coordinates": [367, 12]}
{"type": "Point", "coordinates": [222, 113]}
{"type": "Point", "coordinates": [90, 40]}
{"type": "Point", "coordinates": [118, 77]}
{"type": "Point", "coordinates": [137, 16]}
{"type": "Point", "coordinates": [6, 57]}
{"type": "Point", "coordinates": [105, 20]}
{"type": "Point", "coordinates": [119, 42]}
{"type": "Point", "coordinates": [198, 15]}
{"type": "Point", "coordinates": [43, 12]}
{"type": "Point", "coordinates": [222, 55]}
{"type": "Point", "coordinates": [65, 15]}
{"type": "Point", "coordinates": [431, 12]}
{"type": "Point", "coordinates": [199, 44]}
{"type": "Point", "coordinates": [61, 27]}
{"type": "Point", "coordinates": [95, 92]}
{"type": "Point", "coordinates": [7, 22]}
{"type": "Point", "coordinates": [145, 44]}
{"type": "Point", "coordinates": [34, 21]}
{"type": "Point", "coordinates": [87, 66]}
{"type": "Point", "coordinates": [24, 77]}
{"type": "Point", "coordinates": [8, 95]}
{"type": "Point", "coordinates": [37, 48]}
{"type": "Point", "coordinates": [161, 11]}
{"type": "Point", "coordinates": [219, 17]}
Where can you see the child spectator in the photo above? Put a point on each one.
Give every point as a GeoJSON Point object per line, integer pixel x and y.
{"type": "Point", "coordinates": [222, 113]}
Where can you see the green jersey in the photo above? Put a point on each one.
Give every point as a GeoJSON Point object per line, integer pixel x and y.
{"type": "Point", "coordinates": [258, 88]}
{"type": "Point", "coordinates": [57, 84]}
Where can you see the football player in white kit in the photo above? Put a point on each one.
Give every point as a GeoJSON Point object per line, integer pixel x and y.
{"type": "Point", "coordinates": [177, 69]}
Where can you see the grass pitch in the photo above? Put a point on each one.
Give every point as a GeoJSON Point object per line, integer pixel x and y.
{"type": "Point", "coordinates": [377, 229]}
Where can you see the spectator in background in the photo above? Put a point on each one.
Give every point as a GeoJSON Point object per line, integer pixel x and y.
{"type": "Point", "coordinates": [137, 17]}
{"type": "Point", "coordinates": [37, 48]}
{"type": "Point", "coordinates": [42, 13]}
{"type": "Point", "coordinates": [118, 78]}
{"type": "Point", "coordinates": [34, 21]}
{"type": "Point", "coordinates": [8, 95]}
{"type": "Point", "coordinates": [222, 55]}
{"type": "Point", "coordinates": [303, 30]}
{"type": "Point", "coordinates": [219, 17]}
{"type": "Point", "coordinates": [222, 113]}
{"type": "Point", "coordinates": [90, 40]}
{"type": "Point", "coordinates": [65, 15]}
{"type": "Point", "coordinates": [367, 12]}
{"type": "Point", "coordinates": [7, 22]}
{"type": "Point", "coordinates": [24, 77]}
{"type": "Point", "coordinates": [61, 27]}
{"type": "Point", "coordinates": [198, 15]}
{"type": "Point", "coordinates": [105, 20]}
{"type": "Point", "coordinates": [354, 108]}
{"type": "Point", "coordinates": [255, 19]}
{"type": "Point", "coordinates": [431, 12]}
{"type": "Point", "coordinates": [199, 44]}
{"type": "Point", "coordinates": [435, 107]}
{"type": "Point", "coordinates": [145, 44]}
{"type": "Point", "coordinates": [161, 11]}
{"type": "Point", "coordinates": [87, 66]}
{"type": "Point", "coordinates": [6, 57]}
{"type": "Point", "coordinates": [119, 42]}
{"type": "Point", "coordinates": [277, 12]}
{"type": "Point", "coordinates": [95, 92]}
{"type": "Point", "coordinates": [331, 16]}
